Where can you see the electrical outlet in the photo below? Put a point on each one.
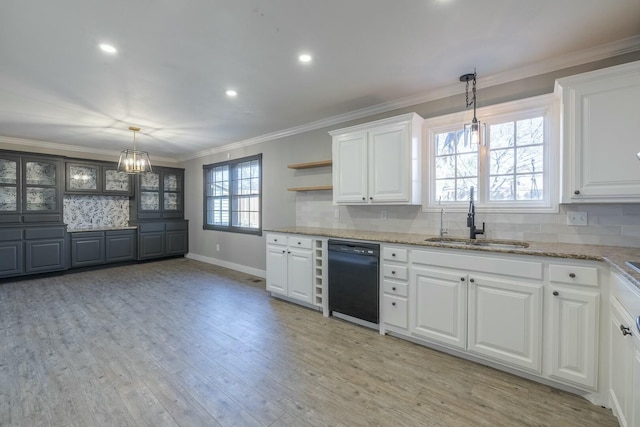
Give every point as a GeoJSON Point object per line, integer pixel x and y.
{"type": "Point", "coordinates": [218, 247]}
{"type": "Point", "coordinates": [336, 212]}
{"type": "Point", "coordinates": [577, 218]}
{"type": "Point", "coordinates": [383, 215]}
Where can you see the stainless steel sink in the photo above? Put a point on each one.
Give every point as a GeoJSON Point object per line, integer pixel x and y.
{"type": "Point", "coordinates": [494, 244]}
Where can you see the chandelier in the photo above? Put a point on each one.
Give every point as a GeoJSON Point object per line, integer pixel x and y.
{"type": "Point", "coordinates": [472, 131]}
{"type": "Point", "coordinates": [134, 161]}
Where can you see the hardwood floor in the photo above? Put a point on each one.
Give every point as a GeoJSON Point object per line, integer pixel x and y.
{"type": "Point", "coordinates": [180, 342]}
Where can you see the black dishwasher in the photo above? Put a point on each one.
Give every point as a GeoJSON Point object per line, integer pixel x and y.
{"type": "Point", "coordinates": [354, 288]}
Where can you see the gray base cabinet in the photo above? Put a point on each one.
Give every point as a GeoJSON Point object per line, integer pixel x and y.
{"type": "Point", "coordinates": [102, 247]}
{"type": "Point", "coordinates": [11, 258]}
{"type": "Point", "coordinates": [120, 245]}
{"type": "Point", "coordinates": [87, 249]}
{"type": "Point", "coordinates": [37, 249]}
{"type": "Point", "coordinates": [159, 239]}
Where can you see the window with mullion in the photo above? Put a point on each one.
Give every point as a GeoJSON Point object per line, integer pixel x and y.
{"type": "Point", "coordinates": [233, 192]}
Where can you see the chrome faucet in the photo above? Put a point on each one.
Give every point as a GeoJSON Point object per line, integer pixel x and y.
{"type": "Point", "coordinates": [471, 219]}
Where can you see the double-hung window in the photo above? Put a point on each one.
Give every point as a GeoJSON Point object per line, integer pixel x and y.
{"type": "Point", "coordinates": [515, 168]}
{"type": "Point", "coordinates": [233, 195]}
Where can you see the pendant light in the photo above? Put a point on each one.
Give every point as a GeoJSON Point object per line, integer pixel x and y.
{"type": "Point", "coordinates": [134, 161]}
{"type": "Point", "coordinates": [474, 131]}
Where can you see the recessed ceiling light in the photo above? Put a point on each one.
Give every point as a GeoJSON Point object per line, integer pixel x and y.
{"type": "Point", "coordinates": [231, 93]}
{"type": "Point", "coordinates": [305, 58]}
{"type": "Point", "coordinates": [107, 48]}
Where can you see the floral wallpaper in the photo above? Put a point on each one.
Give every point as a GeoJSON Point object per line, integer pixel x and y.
{"type": "Point", "coordinates": [82, 212]}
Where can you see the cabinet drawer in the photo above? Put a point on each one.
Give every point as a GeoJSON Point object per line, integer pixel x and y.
{"type": "Point", "coordinates": [176, 225]}
{"type": "Point", "coordinates": [44, 233]}
{"type": "Point", "coordinates": [276, 239]}
{"type": "Point", "coordinates": [395, 271]}
{"type": "Point", "coordinates": [395, 288]}
{"type": "Point", "coordinates": [300, 242]}
{"type": "Point", "coordinates": [86, 234]}
{"type": "Point", "coordinates": [7, 235]}
{"type": "Point", "coordinates": [152, 227]}
{"type": "Point", "coordinates": [394, 311]}
{"type": "Point", "coordinates": [575, 275]}
{"type": "Point", "coordinates": [395, 254]}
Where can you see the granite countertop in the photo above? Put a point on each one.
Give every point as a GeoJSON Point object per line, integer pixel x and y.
{"type": "Point", "coordinates": [82, 230]}
{"type": "Point", "coordinates": [616, 256]}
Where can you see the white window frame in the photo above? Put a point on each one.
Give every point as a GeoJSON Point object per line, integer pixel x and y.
{"type": "Point", "coordinates": [546, 106]}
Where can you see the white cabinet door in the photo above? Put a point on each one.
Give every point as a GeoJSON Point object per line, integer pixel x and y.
{"type": "Point", "coordinates": [440, 306]}
{"type": "Point", "coordinates": [574, 332]}
{"type": "Point", "coordinates": [277, 269]}
{"type": "Point", "coordinates": [505, 321]}
{"type": "Point", "coordinates": [600, 135]}
{"type": "Point", "coordinates": [350, 169]}
{"type": "Point", "coordinates": [620, 360]}
{"type": "Point", "coordinates": [389, 161]}
{"type": "Point", "coordinates": [378, 162]}
{"type": "Point", "coordinates": [300, 277]}
{"type": "Point", "coordinates": [635, 387]}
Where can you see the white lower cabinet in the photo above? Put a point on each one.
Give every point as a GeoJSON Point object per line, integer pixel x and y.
{"type": "Point", "coordinates": [395, 290]}
{"type": "Point", "coordinates": [505, 321]}
{"type": "Point", "coordinates": [624, 390]}
{"type": "Point", "coordinates": [439, 311]}
{"type": "Point", "coordinates": [290, 266]}
{"type": "Point", "coordinates": [574, 339]}
{"type": "Point", "coordinates": [493, 316]}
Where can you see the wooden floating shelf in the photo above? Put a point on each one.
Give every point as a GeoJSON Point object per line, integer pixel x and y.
{"type": "Point", "coordinates": [317, 188]}
{"type": "Point", "coordinates": [310, 165]}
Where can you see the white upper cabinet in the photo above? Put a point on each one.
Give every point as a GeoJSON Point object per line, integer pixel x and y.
{"type": "Point", "coordinates": [378, 162]}
{"type": "Point", "coordinates": [601, 135]}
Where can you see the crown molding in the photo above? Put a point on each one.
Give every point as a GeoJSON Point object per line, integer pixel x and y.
{"type": "Point", "coordinates": [20, 143]}
{"type": "Point", "coordinates": [608, 50]}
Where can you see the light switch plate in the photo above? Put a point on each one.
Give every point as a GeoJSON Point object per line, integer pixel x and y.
{"type": "Point", "coordinates": [577, 218]}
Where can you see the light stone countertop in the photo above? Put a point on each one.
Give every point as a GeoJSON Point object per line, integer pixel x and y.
{"type": "Point", "coordinates": [616, 256]}
{"type": "Point", "coordinates": [88, 229]}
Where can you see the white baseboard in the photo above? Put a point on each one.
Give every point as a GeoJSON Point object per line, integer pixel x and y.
{"type": "Point", "coordinates": [227, 264]}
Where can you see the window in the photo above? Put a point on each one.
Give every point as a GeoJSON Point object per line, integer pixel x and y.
{"type": "Point", "coordinates": [233, 195]}
{"type": "Point", "coordinates": [515, 170]}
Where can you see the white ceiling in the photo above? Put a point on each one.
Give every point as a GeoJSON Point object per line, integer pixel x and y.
{"type": "Point", "coordinates": [177, 58]}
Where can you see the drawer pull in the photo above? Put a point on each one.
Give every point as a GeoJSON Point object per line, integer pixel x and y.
{"type": "Point", "coordinates": [393, 289]}
{"type": "Point", "coordinates": [625, 330]}
{"type": "Point", "coordinates": [299, 243]}
{"type": "Point", "coordinates": [275, 240]}
{"type": "Point", "coordinates": [393, 303]}
{"type": "Point", "coordinates": [393, 272]}
{"type": "Point", "coordinates": [472, 281]}
{"type": "Point", "coordinates": [572, 275]}
{"type": "Point", "coordinates": [576, 192]}
{"type": "Point", "coordinates": [393, 254]}
{"type": "Point", "coordinates": [462, 279]}
{"type": "Point", "coordinates": [556, 293]}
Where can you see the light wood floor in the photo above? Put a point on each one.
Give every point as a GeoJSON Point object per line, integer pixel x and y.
{"type": "Point", "coordinates": [184, 343]}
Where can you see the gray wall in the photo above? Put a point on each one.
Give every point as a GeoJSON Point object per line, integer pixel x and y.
{"type": "Point", "coordinates": [279, 205]}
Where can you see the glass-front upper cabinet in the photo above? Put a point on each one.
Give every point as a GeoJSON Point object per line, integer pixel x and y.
{"type": "Point", "coordinates": [172, 192]}
{"type": "Point", "coordinates": [116, 182]}
{"type": "Point", "coordinates": [150, 192]}
{"type": "Point", "coordinates": [160, 194]}
{"type": "Point", "coordinates": [41, 185]}
{"type": "Point", "coordinates": [82, 178]}
{"type": "Point", "coordinates": [9, 184]}
{"type": "Point", "coordinates": [96, 178]}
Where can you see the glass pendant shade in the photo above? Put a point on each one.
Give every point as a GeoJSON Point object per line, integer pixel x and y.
{"type": "Point", "coordinates": [134, 161]}
{"type": "Point", "coordinates": [474, 133]}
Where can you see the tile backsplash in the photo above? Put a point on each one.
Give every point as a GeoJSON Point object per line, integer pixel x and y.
{"type": "Point", "coordinates": [610, 224]}
{"type": "Point", "coordinates": [96, 211]}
